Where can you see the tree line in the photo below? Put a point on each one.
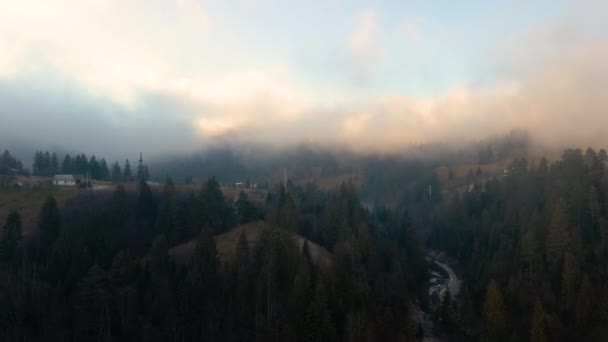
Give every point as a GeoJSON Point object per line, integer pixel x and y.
{"type": "Point", "coordinates": [100, 268]}
{"type": "Point", "coordinates": [9, 164]}
{"type": "Point", "coordinates": [534, 246]}
{"type": "Point", "coordinates": [47, 164]}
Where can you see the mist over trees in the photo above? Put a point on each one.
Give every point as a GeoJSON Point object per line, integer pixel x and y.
{"type": "Point", "coordinates": [348, 262]}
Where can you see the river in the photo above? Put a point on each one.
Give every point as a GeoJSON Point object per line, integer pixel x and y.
{"type": "Point", "coordinates": [442, 277]}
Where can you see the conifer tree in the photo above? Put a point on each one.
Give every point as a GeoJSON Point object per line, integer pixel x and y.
{"type": "Point", "coordinates": [117, 175]}
{"type": "Point", "coordinates": [11, 236]}
{"type": "Point", "coordinates": [126, 172]}
{"type": "Point", "coordinates": [537, 331]}
{"type": "Point", "coordinates": [166, 222]}
{"type": "Point", "coordinates": [146, 207]}
{"type": "Point", "coordinates": [288, 220]}
{"type": "Point", "coordinates": [585, 303]}
{"type": "Point", "coordinates": [49, 221]}
{"type": "Point", "coordinates": [319, 323]}
{"type": "Point", "coordinates": [557, 239]}
{"type": "Point", "coordinates": [493, 309]}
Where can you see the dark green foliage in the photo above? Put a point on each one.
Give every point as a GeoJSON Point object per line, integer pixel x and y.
{"type": "Point", "coordinates": [166, 223]}
{"type": "Point", "coordinates": [126, 171]}
{"type": "Point", "coordinates": [49, 223]}
{"type": "Point", "coordinates": [10, 165]}
{"type": "Point", "coordinates": [146, 207]}
{"type": "Point", "coordinates": [537, 331]}
{"type": "Point", "coordinates": [245, 210]}
{"type": "Point", "coordinates": [493, 310]}
{"type": "Point", "coordinates": [219, 215]}
{"type": "Point", "coordinates": [116, 173]}
{"type": "Point", "coordinates": [11, 236]}
{"type": "Point", "coordinates": [537, 232]}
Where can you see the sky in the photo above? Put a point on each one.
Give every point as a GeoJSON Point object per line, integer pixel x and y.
{"type": "Point", "coordinates": [115, 77]}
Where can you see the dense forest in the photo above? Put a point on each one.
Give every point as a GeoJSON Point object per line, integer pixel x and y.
{"type": "Point", "coordinates": [100, 269]}
{"type": "Point", "coordinates": [531, 245]}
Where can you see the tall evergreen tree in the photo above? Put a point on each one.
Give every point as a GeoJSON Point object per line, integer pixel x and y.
{"type": "Point", "coordinates": [146, 207]}
{"type": "Point", "coordinates": [126, 172]}
{"type": "Point", "coordinates": [557, 239]}
{"type": "Point", "coordinates": [585, 303]}
{"type": "Point", "coordinates": [245, 210]}
{"type": "Point", "coordinates": [117, 175]}
{"type": "Point", "coordinates": [319, 323]}
{"type": "Point", "coordinates": [494, 314]}
{"type": "Point", "coordinates": [54, 165]}
{"type": "Point", "coordinates": [537, 332]}
{"type": "Point", "coordinates": [11, 236]}
{"type": "Point", "coordinates": [67, 165]}
{"type": "Point", "coordinates": [49, 222]}
{"type": "Point", "coordinates": [166, 223]}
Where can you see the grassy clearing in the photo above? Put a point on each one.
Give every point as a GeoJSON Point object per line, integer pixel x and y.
{"type": "Point", "coordinates": [226, 245]}
{"type": "Point", "coordinates": [28, 201]}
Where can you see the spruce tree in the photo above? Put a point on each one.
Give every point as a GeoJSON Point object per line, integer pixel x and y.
{"type": "Point", "coordinates": [494, 314]}
{"type": "Point", "coordinates": [11, 236]}
{"type": "Point", "coordinates": [537, 331]}
{"type": "Point", "coordinates": [166, 222]}
{"type": "Point", "coordinates": [49, 222]}
{"type": "Point", "coordinates": [557, 239]}
{"type": "Point", "coordinates": [146, 207]}
{"type": "Point", "coordinates": [116, 173]}
{"type": "Point", "coordinates": [126, 172]}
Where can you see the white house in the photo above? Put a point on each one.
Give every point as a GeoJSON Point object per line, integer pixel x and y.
{"type": "Point", "coordinates": [66, 180]}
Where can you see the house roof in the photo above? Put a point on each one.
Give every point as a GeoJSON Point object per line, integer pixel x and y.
{"type": "Point", "coordinates": [65, 178]}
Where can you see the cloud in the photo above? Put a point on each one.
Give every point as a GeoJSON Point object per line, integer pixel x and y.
{"type": "Point", "coordinates": [365, 48]}
{"type": "Point", "coordinates": [112, 77]}
{"type": "Point", "coordinates": [412, 28]}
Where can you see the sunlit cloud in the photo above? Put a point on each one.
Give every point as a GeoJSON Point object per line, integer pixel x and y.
{"type": "Point", "coordinates": [182, 68]}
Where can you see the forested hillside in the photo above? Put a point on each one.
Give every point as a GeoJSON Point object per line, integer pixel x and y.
{"type": "Point", "coordinates": [99, 268]}
{"type": "Point", "coordinates": [534, 246]}
{"type": "Point", "coordinates": [169, 262]}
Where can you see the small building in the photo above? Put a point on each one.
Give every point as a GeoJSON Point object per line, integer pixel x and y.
{"type": "Point", "coordinates": [66, 180]}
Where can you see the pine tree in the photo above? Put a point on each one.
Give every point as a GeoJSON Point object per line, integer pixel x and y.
{"type": "Point", "coordinates": [159, 296]}
{"type": "Point", "coordinates": [557, 239]}
{"type": "Point", "coordinates": [116, 173]}
{"type": "Point", "coordinates": [127, 170]}
{"type": "Point", "coordinates": [319, 323]}
{"type": "Point", "coordinates": [466, 310]}
{"type": "Point", "coordinates": [46, 169]}
{"type": "Point", "coordinates": [146, 207]}
{"type": "Point", "coordinates": [104, 172]}
{"type": "Point", "coordinates": [288, 219]}
{"type": "Point", "coordinates": [67, 165]}
{"type": "Point", "coordinates": [243, 287]}
{"type": "Point", "coordinates": [585, 302]}
{"type": "Point", "coordinates": [166, 222]}
{"type": "Point", "coordinates": [245, 211]}
{"type": "Point", "coordinates": [54, 167]}
{"type": "Point", "coordinates": [11, 236]}
{"type": "Point", "coordinates": [537, 331]}
{"type": "Point", "coordinates": [94, 171]}
{"type": "Point", "coordinates": [217, 210]}
{"type": "Point", "coordinates": [119, 205]}
{"type": "Point", "coordinates": [570, 275]}
{"type": "Point", "coordinates": [494, 312]}
{"type": "Point", "coordinates": [49, 222]}
{"type": "Point", "coordinates": [529, 250]}
{"type": "Point", "coordinates": [301, 295]}
{"type": "Point", "coordinates": [141, 173]}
